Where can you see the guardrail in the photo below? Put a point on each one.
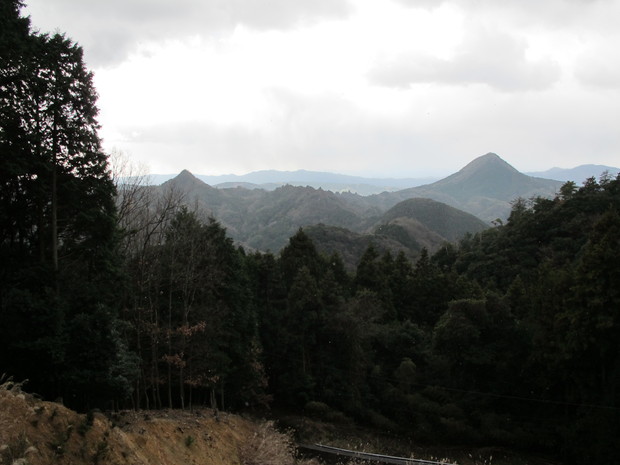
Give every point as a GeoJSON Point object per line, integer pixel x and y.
{"type": "Point", "coordinates": [371, 457]}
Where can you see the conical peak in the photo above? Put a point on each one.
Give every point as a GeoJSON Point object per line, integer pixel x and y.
{"type": "Point", "coordinates": [185, 174]}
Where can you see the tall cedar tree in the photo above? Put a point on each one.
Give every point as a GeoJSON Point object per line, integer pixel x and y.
{"type": "Point", "coordinates": [58, 245]}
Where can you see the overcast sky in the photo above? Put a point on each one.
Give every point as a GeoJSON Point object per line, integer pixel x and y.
{"type": "Point", "coordinates": [372, 87]}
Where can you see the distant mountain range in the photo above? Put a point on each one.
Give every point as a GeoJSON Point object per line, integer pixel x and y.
{"type": "Point", "coordinates": [577, 174]}
{"type": "Point", "coordinates": [406, 220]}
{"type": "Point", "coordinates": [272, 179]}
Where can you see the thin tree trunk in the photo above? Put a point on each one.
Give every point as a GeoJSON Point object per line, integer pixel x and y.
{"type": "Point", "coordinates": [155, 375]}
{"type": "Point", "coordinates": [154, 361]}
{"type": "Point", "coordinates": [42, 239]}
{"type": "Point", "coordinates": [139, 349]}
{"type": "Point", "coordinates": [212, 399]}
{"type": "Point", "coordinates": [136, 398]}
{"type": "Point", "coordinates": [170, 349]}
{"type": "Point", "coordinates": [170, 332]}
{"type": "Point", "coordinates": [181, 388]}
{"type": "Point", "coordinates": [222, 406]}
{"type": "Point", "coordinates": [189, 386]}
{"type": "Point", "coordinates": [54, 220]}
{"type": "Point", "coordinates": [190, 402]}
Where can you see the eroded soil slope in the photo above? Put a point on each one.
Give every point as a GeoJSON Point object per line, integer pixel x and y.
{"type": "Point", "coordinates": [41, 433]}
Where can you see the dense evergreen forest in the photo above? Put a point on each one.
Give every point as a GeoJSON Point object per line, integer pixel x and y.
{"type": "Point", "coordinates": [113, 297]}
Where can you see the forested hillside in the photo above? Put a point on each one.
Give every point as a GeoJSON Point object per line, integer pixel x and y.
{"type": "Point", "coordinates": [511, 337]}
{"type": "Point", "coordinates": [132, 298]}
{"type": "Point", "coordinates": [264, 220]}
{"type": "Point", "coordinates": [407, 228]}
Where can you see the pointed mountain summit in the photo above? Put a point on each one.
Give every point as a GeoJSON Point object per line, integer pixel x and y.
{"type": "Point", "coordinates": [186, 174]}
{"type": "Point", "coordinates": [185, 181]}
{"type": "Point", "coordinates": [492, 177]}
{"type": "Point", "coordinates": [482, 167]}
{"type": "Point", "coordinates": [485, 187]}
{"type": "Point", "coordinates": [185, 177]}
{"type": "Point", "coordinates": [188, 186]}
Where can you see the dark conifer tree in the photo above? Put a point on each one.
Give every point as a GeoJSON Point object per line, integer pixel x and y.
{"type": "Point", "coordinates": [58, 250]}
{"type": "Point", "coordinates": [299, 253]}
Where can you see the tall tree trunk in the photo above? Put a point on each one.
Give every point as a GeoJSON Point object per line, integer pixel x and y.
{"type": "Point", "coordinates": [55, 223]}
{"type": "Point", "coordinates": [222, 406]}
{"type": "Point", "coordinates": [139, 349]}
{"type": "Point", "coordinates": [190, 399]}
{"type": "Point", "coordinates": [155, 358]}
{"type": "Point", "coordinates": [41, 226]}
{"type": "Point", "coordinates": [181, 388]}
{"type": "Point", "coordinates": [55, 150]}
{"type": "Point", "coordinates": [170, 349]}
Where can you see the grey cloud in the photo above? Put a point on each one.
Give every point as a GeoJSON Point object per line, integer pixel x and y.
{"type": "Point", "coordinates": [495, 59]}
{"type": "Point", "coordinates": [527, 5]}
{"type": "Point", "coordinates": [599, 69]}
{"type": "Point", "coordinates": [530, 129]}
{"type": "Point", "coordinates": [194, 138]}
{"type": "Point", "coordinates": [108, 30]}
{"type": "Point", "coordinates": [592, 15]}
{"type": "Point", "coordinates": [330, 133]}
{"type": "Point", "coordinates": [315, 133]}
{"type": "Point", "coordinates": [427, 4]}
{"type": "Point", "coordinates": [318, 132]}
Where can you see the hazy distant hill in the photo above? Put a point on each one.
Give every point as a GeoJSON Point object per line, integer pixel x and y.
{"type": "Point", "coordinates": [315, 179]}
{"type": "Point", "coordinates": [449, 222]}
{"type": "Point", "coordinates": [577, 174]}
{"type": "Point", "coordinates": [407, 227]}
{"type": "Point", "coordinates": [278, 214]}
{"type": "Point", "coordinates": [485, 188]}
{"type": "Point", "coordinates": [272, 179]}
{"type": "Point", "coordinates": [265, 220]}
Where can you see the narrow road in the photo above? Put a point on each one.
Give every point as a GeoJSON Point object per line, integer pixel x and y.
{"type": "Point", "coordinates": [368, 456]}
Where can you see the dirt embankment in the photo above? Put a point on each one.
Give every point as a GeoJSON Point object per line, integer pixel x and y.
{"type": "Point", "coordinates": [33, 432]}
